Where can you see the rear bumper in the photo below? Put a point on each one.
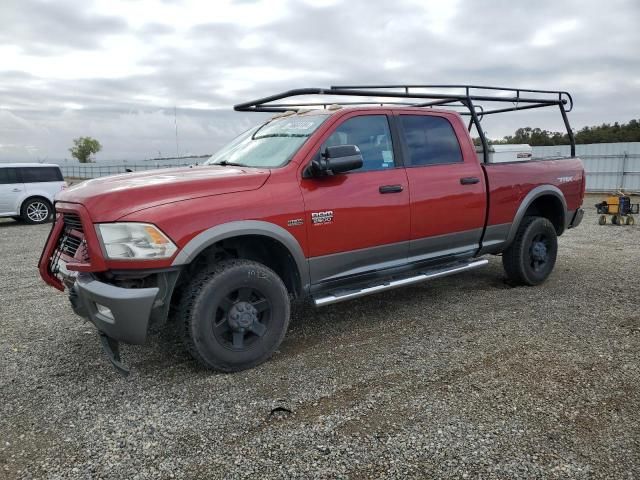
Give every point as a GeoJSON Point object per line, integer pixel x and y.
{"type": "Point", "coordinates": [129, 309]}
{"type": "Point", "coordinates": [576, 219]}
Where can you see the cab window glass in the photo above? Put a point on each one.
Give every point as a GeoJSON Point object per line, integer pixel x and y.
{"type": "Point", "coordinates": [371, 134]}
{"type": "Point", "coordinates": [40, 174]}
{"type": "Point", "coordinates": [9, 175]}
{"type": "Point", "coordinates": [430, 140]}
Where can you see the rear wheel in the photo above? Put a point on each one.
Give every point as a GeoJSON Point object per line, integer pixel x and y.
{"type": "Point", "coordinates": [530, 259]}
{"type": "Point", "coordinates": [36, 210]}
{"type": "Point", "coordinates": [602, 220]}
{"type": "Point", "coordinates": [234, 315]}
{"type": "Point", "coordinates": [630, 220]}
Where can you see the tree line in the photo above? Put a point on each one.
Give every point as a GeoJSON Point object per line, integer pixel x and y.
{"type": "Point", "coordinates": [605, 133]}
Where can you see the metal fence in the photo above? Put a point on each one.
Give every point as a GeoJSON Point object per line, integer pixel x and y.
{"type": "Point", "coordinates": [612, 173]}
{"type": "Point", "coordinates": [94, 170]}
{"type": "Point", "coordinates": [609, 167]}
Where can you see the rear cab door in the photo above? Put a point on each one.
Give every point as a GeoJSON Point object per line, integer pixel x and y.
{"type": "Point", "coordinates": [446, 186]}
{"type": "Point", "coordinates": [358, 222]}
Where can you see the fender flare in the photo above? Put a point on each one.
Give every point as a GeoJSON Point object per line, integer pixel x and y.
{"type": "Point", "coordinates": [534, 194]}
{"type": "Point", "coordinates": [215, 234]}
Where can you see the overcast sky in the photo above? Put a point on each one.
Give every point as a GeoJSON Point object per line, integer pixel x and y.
{"type": "Point", "coordinates": [115, 69]}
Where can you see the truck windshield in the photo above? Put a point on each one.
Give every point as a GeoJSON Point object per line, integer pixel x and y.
{"type": "Point", "coordinates": [269, 145]}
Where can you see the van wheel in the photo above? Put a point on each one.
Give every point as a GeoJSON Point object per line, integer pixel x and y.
{"type": "Point", "coordinates": [36, 211]}
{"type": "Point", "coordinates": [235, 315]}
{"type": "Point", "coordinates": [530, 259]}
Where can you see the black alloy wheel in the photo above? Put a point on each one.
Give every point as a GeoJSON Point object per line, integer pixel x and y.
{"type": "Point", "coordinates": [241, 318]}
{"type": "Point", "coordinates": [234, 315]}
{"type": "Point", "coordinates": [530, 258]}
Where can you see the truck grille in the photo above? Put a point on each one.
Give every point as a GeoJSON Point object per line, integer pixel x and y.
{"type": "Point", "coordinates": [71, 245]}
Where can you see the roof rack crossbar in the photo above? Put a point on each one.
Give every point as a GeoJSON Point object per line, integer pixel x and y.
{"type": "Point", "coordinates": [446, 102]}
{"type": "Point", "coordinates": [562, 95]}
{"type": "Point", "coordinates": [517, 107]}
{"type": "Point", "coordinates": [326, 104]}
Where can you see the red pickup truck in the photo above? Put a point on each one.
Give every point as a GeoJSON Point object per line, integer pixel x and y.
{"type": "Point", "coordinates": [325, 203]}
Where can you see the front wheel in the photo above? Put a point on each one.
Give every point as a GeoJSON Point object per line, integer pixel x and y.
{"type": "Point", "coordinates": [235, 315]}
{"type": "Point", "coordinates": [36, 211]}
{"type": "Point", "coordinates": [530, 259]}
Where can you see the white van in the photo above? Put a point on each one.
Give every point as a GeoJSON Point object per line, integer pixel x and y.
{"type": "Point", "coordinates": [27, 190]}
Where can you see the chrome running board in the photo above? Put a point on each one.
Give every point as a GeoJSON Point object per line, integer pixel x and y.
{"type": "Point", "coordinates": [430, 275]}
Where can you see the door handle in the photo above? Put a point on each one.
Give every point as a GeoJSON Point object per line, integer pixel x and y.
{"type": "Point", "coordinates": [469, 180]}
{"type": "Point", "coordinates": [16, 190]}
{"type": "Point", "coordinates": [390, 188]}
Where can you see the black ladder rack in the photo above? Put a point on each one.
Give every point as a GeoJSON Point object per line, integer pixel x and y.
{"type": "Point", "coordinates": [426, 96]}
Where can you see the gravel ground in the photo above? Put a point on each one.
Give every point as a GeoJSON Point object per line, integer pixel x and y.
{"type": "Point", "coordinates": [463, 377]}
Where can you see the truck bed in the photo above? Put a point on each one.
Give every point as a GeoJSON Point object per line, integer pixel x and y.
{"type": "Point", "coordinates": [509, 183]}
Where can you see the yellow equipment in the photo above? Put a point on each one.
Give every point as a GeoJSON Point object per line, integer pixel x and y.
{"type": "Point", "coordinates": [618, 207]}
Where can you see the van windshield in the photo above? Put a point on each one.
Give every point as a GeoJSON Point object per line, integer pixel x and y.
{"type": "Point", "coordinates": [269, 145]}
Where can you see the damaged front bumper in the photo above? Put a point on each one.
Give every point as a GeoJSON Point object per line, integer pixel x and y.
{"type": "Point", "coordinates": [119, 314]}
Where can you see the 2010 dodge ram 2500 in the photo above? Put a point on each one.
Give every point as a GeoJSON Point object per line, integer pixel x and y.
{"type": "Point", "coordinates": [331, 203]}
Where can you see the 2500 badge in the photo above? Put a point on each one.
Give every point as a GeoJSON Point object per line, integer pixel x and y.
{"type": "Point", "coordinates": [322, 218]}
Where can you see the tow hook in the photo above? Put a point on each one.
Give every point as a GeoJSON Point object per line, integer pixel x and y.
{"type": "Point", "coordinates": [112, 348]}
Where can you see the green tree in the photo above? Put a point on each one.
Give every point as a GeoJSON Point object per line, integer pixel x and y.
{"type": "Point", "coordinates": [84, 147]}
{"type": "Point", "coordinates": [605, 133]}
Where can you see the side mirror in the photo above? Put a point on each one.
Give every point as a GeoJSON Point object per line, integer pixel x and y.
{"type": "Point", "coordinates": [334, 160]}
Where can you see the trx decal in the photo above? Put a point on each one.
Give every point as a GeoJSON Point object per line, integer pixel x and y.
{"type": "Point", "coordinates": [322, 218]}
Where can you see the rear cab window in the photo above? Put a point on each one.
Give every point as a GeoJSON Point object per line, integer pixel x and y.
{"type": "Point", "coordinates": [429, 140]}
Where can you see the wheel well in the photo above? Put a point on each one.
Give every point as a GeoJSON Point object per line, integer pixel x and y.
{"type": "Point", "coordinates": [549, 207]}
{"type": "Point", "coordinates": [33, 197]}
{"type": "Point", "coordinates": [259, 248]}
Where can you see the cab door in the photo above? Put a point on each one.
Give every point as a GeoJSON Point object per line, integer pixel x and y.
{"type": "Point", "coordinates": [358, 222]}
{"type": "Point", "coordinates": [446, 185]}
{"type": "Point", "coordinates": [11, 190]}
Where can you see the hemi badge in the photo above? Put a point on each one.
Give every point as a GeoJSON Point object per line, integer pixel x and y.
{"type": "Point", "coordinates": [295, 222]}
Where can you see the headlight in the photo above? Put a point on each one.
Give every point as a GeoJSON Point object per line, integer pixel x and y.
{"type": "Point", "coordinates": [135, 241]}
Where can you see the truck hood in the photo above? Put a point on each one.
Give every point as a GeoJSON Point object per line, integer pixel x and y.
{"type": "Point", "coordinates": [110, 198]}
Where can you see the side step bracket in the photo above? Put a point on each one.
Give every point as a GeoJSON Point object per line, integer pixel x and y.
{"type": "Point", "coordinates": [401, 282]}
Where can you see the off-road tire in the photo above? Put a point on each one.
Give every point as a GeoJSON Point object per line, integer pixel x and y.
{"type": "Point", "coordinates": [520, 264]}
{"type": "Point", "coordinates": [201, 308]}
{"type": "Point", "coordinates": [31, 207]}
